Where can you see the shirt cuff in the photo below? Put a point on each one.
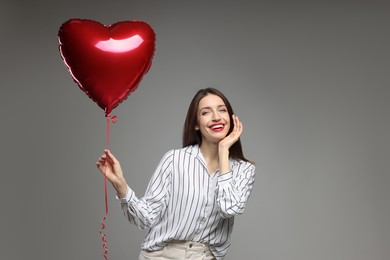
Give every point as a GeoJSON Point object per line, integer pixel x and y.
{"type": "Point", "coordinates": [127, 197]}
{"type": "Point", "coordinates": [225, 178]}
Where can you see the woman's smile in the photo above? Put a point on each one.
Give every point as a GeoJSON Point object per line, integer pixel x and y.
{"type": "Point", "coordinates": [217, 127]}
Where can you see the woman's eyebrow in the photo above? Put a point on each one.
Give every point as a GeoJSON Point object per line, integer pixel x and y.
{"type": "Point", "coordinates": [219, 106]}
{"type": "Point", "coordinates": [204, 108]}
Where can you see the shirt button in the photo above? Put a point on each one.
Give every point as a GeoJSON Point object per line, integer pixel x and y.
{"type": "Point", "coordinates": [190, 245]}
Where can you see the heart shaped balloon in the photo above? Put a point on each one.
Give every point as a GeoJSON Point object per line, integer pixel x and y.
{"type": "Point", "coordinates": [107, 62]}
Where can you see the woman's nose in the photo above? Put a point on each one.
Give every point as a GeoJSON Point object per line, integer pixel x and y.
{"type": "Point", "coordinates": [216, 116]}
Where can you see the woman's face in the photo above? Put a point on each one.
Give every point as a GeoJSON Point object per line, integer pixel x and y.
{"type": "Point", "coordinates": [213, 119]}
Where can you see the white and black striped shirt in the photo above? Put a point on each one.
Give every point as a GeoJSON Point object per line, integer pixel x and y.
{"type": "Point", "coordinates": [184, 202]}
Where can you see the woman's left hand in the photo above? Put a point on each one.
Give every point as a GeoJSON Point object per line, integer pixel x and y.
{"type": "Point", "coordinates": [233, 137]}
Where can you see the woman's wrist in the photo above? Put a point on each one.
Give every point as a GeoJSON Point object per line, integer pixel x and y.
{"type": "Point", "coordinates": [223, 155]}
{"type": "Point", "coordinates": [121, 192]}
{"type": "Point", "coordinates": [121, 188]}
{"type": "Point", "coordinates": [223, 151]}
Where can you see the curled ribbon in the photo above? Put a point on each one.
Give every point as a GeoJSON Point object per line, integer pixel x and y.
{"type": "Point", "coordinates": [105, 248]}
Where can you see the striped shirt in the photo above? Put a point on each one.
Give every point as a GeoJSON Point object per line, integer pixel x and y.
{"type": "Point", "coordinates": [183, 201]}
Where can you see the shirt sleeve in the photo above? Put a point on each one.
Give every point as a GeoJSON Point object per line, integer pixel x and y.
{"type": "Point", "coordinates": [234, 189]}
{"type": "Point", "coordinates": [145, 211]}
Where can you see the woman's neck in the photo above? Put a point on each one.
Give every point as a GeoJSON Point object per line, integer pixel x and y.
{"type": "Point", "coordinates": [209, 150]}
{"type": "Point", "coordinates": [210, 154]}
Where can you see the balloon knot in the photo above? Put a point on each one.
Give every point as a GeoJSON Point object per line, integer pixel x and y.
{"type": "Point", "coordinates": [114, 119]}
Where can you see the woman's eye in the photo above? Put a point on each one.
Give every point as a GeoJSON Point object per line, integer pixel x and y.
{"type": "Point", "coordinates": [204, 113]}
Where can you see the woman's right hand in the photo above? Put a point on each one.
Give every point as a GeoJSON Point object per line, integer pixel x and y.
{"type": "Point", "coordinates": [111, 168]}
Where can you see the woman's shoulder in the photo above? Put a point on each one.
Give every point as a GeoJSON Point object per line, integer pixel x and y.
{"type": "Point", "coordinates": [244, 164]}
{"type": "Point", "coordinates": [191, 149]}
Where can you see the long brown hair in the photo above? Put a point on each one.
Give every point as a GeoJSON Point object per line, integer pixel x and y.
{"type": "Point", "coordinates": [192, 137]}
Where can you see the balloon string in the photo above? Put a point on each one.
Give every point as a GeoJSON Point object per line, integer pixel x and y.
{"type": "Point", "coordinates": [103, 226]}
{"type": "Point", "coordinates": [107, 146]}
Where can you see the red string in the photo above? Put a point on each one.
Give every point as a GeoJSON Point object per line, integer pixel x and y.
{"type": "Point", "coordinates": [107, 146]}
{"type": "Point", "coordinates": [103, 226]}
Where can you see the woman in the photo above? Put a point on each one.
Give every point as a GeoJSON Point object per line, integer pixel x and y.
{"type": "Point", "coordinates": [195, 192]}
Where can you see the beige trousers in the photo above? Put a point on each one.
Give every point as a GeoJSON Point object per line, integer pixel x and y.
{"type": "Point", "coordinates": [179, 250]}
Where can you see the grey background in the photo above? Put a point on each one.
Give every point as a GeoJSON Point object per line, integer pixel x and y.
{"type": "Point", "coordinates": [309, 80]}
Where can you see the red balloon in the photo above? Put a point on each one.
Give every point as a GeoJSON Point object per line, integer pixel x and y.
{"type": "Point", "coordinates": [107, 62]}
